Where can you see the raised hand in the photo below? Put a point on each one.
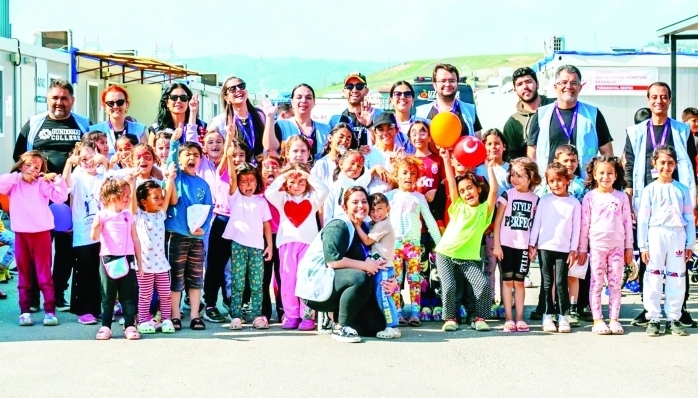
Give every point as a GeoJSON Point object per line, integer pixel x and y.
{"type": "Point", "coordinates": [366, 115]}
{"type": "Point", "coordinates": [268, 108]}
{"type": "Point", "coordinates": [177, 133]}
{"type": "Point", "coordinates": [194, 104]}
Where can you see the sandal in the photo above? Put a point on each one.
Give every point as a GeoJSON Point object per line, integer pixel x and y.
{"type": "Point", "coordinates": [260, 323]}
{"type": "Point", "coordinates": [236, 324]}
{"type": "Point", "coordinates": [522, 326]}
{"type": "Point", "coordinates": [177, 323]}
{"type": "Point", "coordinates": [146, 328]}
{"type": "Point", "coordinates": [414, 321]}
{"type": "Point", "coordinates": [401, 321]}
{"type": "Point", "coordinates": [131, 333]}
{"type": "Point", "coordinates": [104, 333]}
{"type": "Point", "coordinates": [167, 326]}
{"type": "Point", "coordinates": [616, 327]}
{"type": "Point", "coordinates": [389, 333]}
{"type": "Point", "coordinates": [509, 326]}
{"type": "Point", "coordinates": [601, 328]}
{"type": "Point", "coordinates": [197, 324]}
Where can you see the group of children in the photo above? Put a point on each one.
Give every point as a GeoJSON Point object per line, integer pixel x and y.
{"type": "Point", "coordinates": [158, 220]}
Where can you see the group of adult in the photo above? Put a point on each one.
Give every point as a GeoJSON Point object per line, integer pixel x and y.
{"type": "Point", "coordinates": [536, 129]}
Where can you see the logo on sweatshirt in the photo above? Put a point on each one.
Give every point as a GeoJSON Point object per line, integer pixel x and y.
{"type": "Point", "coordinates": [679, 253]}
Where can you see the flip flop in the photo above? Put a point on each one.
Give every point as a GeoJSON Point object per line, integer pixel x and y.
{"type": "Point", "coordinates": [522, 326]}
{"type": "Point", "coordinates": [414, 321]}
{"type": "Point", "coordinates": [509, 326]}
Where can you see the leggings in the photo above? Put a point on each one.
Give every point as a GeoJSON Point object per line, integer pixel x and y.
{"type": "Point", "coordinates": [407, 261]}
{"type": "Point", "coordinates": [217, 257]}
{"type": "Point", "coordinates": [606, 264]}
{"type": "Point", "coordinates": [270, 267]}
{"type": "Point", "coordinates": [353, 297]}
{"type": "Point", "coordinates": [146, 284]}
{"type": "Point", "coordinates": [85, 296]}
{"type": "Point", "coordinates": [247, 264]}
{"type": "Point", "coordinates": [125, 287]}
{"type": "Point", "coordinates": [554, 268]}
{"type": "Point", "coordinates": [448, 267]}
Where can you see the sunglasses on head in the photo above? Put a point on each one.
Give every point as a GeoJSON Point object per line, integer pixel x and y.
{"type": "Point", "coordinates": [119, 102]}
{"type": "Point", "coordinates": [358, 86]}
{"type": "Point", "coordinates": [240, 86]}
{"type": "Point", "coordinates": [406, 94]}
{"type": "Point", "coordinates": [182, 97]}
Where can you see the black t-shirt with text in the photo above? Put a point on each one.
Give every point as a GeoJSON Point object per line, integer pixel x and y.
{"type": "Point", "coordinates": [557, 136]}
{"type": "Point", "coordinates": [55, 140]}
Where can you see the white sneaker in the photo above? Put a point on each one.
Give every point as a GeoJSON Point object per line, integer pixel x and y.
{"type": "Point", "coordinates": [563, 325]}
{"type": "Point", "coordinates": [548, 324]}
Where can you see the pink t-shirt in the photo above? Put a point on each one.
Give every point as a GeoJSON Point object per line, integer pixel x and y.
{"type": "Point", "coordinates": [519, 209]}
{"type": "Point", "coordinates": [115, 238]}
{"type": "Point", "coordinates": [247, 216]}
{"type": "Point", "coordinates": [220, 190]}
{"type": "Point", "coordinates": [606, 221]}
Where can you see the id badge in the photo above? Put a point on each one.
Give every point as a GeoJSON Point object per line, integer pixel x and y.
{"type": "Point", "coordinates": [655, 173]}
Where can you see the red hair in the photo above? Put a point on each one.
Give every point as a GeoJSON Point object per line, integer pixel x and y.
{"type": "Point", "coordinates": [113, 88]}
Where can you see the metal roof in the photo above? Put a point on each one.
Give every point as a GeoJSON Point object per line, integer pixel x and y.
{"type": "Point", "coordinates": [149, 68]}
{"type": "Point", "coordinates": [678, 27]}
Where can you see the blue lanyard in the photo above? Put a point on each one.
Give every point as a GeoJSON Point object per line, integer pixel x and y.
{"type": "Point", "coordinates": [650, 130]}
{"type": "Point", "coordinates": [248, 132]}
{"type": "Point", "coordinates": [570, 131]}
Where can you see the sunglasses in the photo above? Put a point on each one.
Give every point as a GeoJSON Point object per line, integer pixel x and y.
{"type": "Point", "coordinates": [406, 94]}
{"type": "Point", "coordinates": [183, 98]}
{"type": "Point", "coordinates": [119, 102]}
{"type": "Point", "coordinates": [240, 86]}
{"type": "Point", "coordinates": [358, 86]}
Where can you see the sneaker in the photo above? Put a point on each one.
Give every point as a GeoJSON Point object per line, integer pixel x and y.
{"type": "Point", "coordinates": [563, 325]}
{"type": "Point", "coordinates": [676, 328]}
{"type": "Point", "coordinates": [62, 307]}
{"type": "Point", "coordinates": [345, 334]}
{"type": "Point", "coordinates": [34, 309]}
{"type": "Point", "coordinates": [686, 319]}
{"type": "Point", "coordinates": [50, 319]}
{"type": "Point", "coordinates": [291, 323]}
{"type": "Point", "coordinates": [527, 282]}
{"type": "Point", "coordinates": [480, 325]}
{"type": "Point", "coordinates": [26, 319]}
{"type": "Point", "coordinates": [245, 309]}
{"type": "Point", "coordinates": [652, 328]}
{"type": "Point", "coordinates": [548, 324]}
{"type": "Point", "coordinates": [307, 325]}
{"type": "Point", "coordinates": [87, 319]}
{"type": "Point", "coordinates": [640, 320]}
{"type": "Point", "coordinates": [534, 316]}
{"type": "Point", "coordinates": [450, 325]}
{"type": "Point", "coordinates": [573, 318]}
{"type": "Point", "coordinates": [213, 315]}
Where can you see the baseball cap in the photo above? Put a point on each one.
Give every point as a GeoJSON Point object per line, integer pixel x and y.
{"type": "Point", "coordinates": [385, 118]}
{"type": "Point", "coordinates": [356, 75]}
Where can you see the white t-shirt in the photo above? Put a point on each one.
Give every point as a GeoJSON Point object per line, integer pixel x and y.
{"type": "Point", "coordinates": [151, 233]}
{"type": "Point", "coordinates": [247, 217]}
{"type": "Point", "coordinates": [85, 204]}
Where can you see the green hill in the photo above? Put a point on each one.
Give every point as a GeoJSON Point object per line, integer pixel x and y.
{"type": "Point", "coordinates": [466, 66]}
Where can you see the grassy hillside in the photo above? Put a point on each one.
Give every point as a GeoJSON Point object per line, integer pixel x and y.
{"type": "Point", "coordinates": [466, 65]}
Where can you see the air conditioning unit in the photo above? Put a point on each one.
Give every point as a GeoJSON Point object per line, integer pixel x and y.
{"type": "Point", "coordinates": [55, 40]}
{"type": "Point", "coordinates": [130, 53]}
{"type": "Point", "coordinates": [209, 79]}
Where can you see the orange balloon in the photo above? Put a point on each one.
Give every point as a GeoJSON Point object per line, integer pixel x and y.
{"type": "Point", "coordinates": [445, 129]}
{"type": "Point", "coordinates": [5, 203]}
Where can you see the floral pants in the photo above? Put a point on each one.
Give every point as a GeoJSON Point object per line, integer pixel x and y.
{"type": "Point", "coordinates": [246, 262]}
{"type": "Point", "coordinates": [407, 261]}
{"type": "Point", "coordinates": [606, 264]}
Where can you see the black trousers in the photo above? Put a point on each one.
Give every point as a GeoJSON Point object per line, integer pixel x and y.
{"type": "Point", "coordinates": [554, 268]}
{"type": "Point", "coordinates": [217, 257]}
{"type": "Point", "coordinates": [353, 297]}
{"type": "Point", "coordinates": [127, 289]}
{"type": "Point", "coordinates": [271, 267]}
{"type": "Point", "coordinates": [85, 296]}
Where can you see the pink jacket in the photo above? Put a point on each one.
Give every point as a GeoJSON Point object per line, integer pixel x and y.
{"type": "Point", "coordinates": [29, 201]}
{"type": "Point", "coordinates": [606, 221]}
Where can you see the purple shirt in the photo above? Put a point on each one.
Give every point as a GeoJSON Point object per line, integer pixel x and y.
{"type": "Point", "coordinates": [115, 238]}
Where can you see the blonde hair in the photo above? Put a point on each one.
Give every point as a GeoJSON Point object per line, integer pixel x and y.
{"type": "Point", "coordinates": [112, 189]}
{"type": "Point", "coordinates": [286, 145]}
{"type": "Point", "coordinates": [27, 158]}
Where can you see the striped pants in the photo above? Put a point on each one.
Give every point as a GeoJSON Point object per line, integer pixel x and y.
{"type": "Point", "coordinates": [146, 284]}
{"type": "Point", "coordinates": [447, 267]}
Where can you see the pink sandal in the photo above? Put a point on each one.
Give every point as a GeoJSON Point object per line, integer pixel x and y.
{"type": "Point", "coordinates": [104, 333]}
{"type": "Point", "coordinates": [616, 327]}
{"type": "Point", "coordinates": [509, 327]}
{"type": "Point", "coordinates": [522, 326]}
{"type": "Point", "coordinates": [131, 333]}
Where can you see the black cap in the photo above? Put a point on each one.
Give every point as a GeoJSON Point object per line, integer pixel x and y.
{"type": "Point", "coordinates": [385, 118]}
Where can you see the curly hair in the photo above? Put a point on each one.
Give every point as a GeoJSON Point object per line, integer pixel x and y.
{"type": "Point", "coordinates": [478, 181]}
{"type": "Point", "coordinates": [112, 189]}
{"type": "Point", "coordinates": [619, 184]}
{"type": "Point", "coordinates": [531, 169]}
{"type": "Point", "coordinates": [407, 162]}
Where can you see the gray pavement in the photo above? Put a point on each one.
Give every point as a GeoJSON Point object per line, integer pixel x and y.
{"type": "Point", "coordinates": [66, 361]}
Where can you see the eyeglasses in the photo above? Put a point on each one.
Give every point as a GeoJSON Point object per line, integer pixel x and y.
{"type": "Point", "coordinates": [240, 86]}
{"type": "Point", "coordinates": [119, 102]}
{"type": "Point", "coordinates": [452, 81]}
{"type": "Point", "coordinates": [183, 98]}
{"type": "Point", "coordinates": [358, 86]}
{"type": "Point", "coordinates": [564, 83]}
{"type": "Point", "coordinates": [406, 94]}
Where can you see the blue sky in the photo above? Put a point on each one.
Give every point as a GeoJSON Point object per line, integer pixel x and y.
{"type": "Point", "coordinates": [379, 30]}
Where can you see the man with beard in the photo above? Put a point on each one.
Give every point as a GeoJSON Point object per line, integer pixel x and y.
{"type": "Point", "coordinates": [568, 121]}
{"type": "Point", "coordinates": [359, 115]}
{"type": "Point", "coordinates": [640, 142]}
{"type": "Point", "coordinates": [445, 80]}
{"type": "Point", "coordinates": [516, 128]}
{"type": "Point", "coordinates": [54, 134]}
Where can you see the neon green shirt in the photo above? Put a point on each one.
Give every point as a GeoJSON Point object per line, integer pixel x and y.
{"type": "Point", "coordinates": [463, 236]}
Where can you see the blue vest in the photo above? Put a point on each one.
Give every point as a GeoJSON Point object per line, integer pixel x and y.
{"type": "Point", "coordinates": [290, 128]}
{"type": "Point", "coordinates": [334, 120]}
{"type": "Point", "coordinates": [638, 139]}
{"type": "Point", "coordinates": [36, 121]}
{"type": "Point", "coordinates": [219, 122]}
{"type": "Point", "coordinates": [466, 110]}
{"type": "Point", "coordinates": [132, 128]}
{"type": "Point", "coordinates": [587, 142]}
